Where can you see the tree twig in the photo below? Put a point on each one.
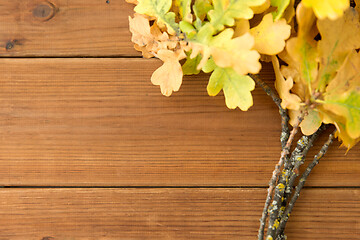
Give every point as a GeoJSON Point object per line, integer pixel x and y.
{"type": "Point", "coordinates": [272, 183]}
{"type": "Point", "coordinates": [298, 158]}
{"type": "Point", "coordinates": [285, 132]}
{"type": "Point", "coordinates": [302, 181]}
{"type": "Point", "coordinates": [285, 145]}
{"type": "Point", "coordinates": [284, 185]}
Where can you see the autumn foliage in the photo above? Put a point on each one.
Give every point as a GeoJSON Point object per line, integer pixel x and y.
{"type": "Point", "coordinates": [318, 48]}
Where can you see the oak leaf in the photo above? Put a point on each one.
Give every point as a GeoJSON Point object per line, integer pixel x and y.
{"type": "Point", "coordinates": [201, 8]}
{"type": "Point", "coordinates": [236, 53]}
{"type": "Point", "coordinates": [333, 47]}
{"type": "Point", "coordinates": [132, 1]}
{"type": "Point", "coordinates": [242, 26]}
{"type": "Point", "coordinates": [302, 52]}
{"type": "Point", "coordinates": [327, 8]}
{"type": "Point", "coordinates": [237, 88]}
{"type": "Point", "coordinates": [289, 12]}
{"type": "Point", "coordinates": [270, 35]}
{"type": "Point", "coordinates": [169, 75]}
{"type": "Point", "coordinates": [140, 29]}
{"type": "Point", "coordinates": [343, 96]}
{"type": "Point", "coordinates": [281, 6]}
{"type": "Point", "coordinates": [283, 87]}
{"type": "Point", "coordinates": [261, 8]}
{"type": "Point", "coordinates": [312, 121]}
{"type": "Point", "coordinates": [184, 7]}
{"type": "Point", "coordinates": [149, 40]}
{"type": "Point", "coordinates": [327, 72]}
{"type": "Point", "coordinates": [190, 66]}
{"type": "Point", "coordinates": [329, 117]}
{"type": "Point", "coordinates": [346, 105]}
{"type": "Point", "coordinates": [225, 12]}
{"type": "Point", "coordinates": [160, 10]}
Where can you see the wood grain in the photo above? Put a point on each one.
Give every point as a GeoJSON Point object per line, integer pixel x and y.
{"type": "Point", "coordinates": [100, 122]}
{"type": "Point", "coordinates": [65, 28]}
{"type": "Point", "coordinates": [75, 214]}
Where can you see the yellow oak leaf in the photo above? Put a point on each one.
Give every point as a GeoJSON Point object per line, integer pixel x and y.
{"type": "Point", "coordinates": [184, 11]}
{"type": "Point", "coordinates": [169, 75]}
{"type": "Point", "coordinates": [326, 72]}
{"type": "Point", "coordinates": [293, 115]}
{"type": "Point", "coordinates": [160, 10]}
{"type": "Point", "coordinates": [357, 7]}
{"type": "Point", "coordinates": [270, 35]}
{"type": "Point", "coordinates": [333, 47]}
{"type": "Point", "coordinates": [341, 103]}
{"type": "Point", "coordinates": [236, 53]}
{"type": "Point", "coordinates": [347, 77]}
{"type": "Point", "coordinates": [327, 8]}
{"type": "Point", "coordinates": [242, 26]}
{"type": "Point", "coordinates": [342, 96]}
{"type": "Point", "coordinates": [302, 52]}
{"type": "Point", "coordinates": [262, 8]}
{"type": "Point", "coordinates": [342, 134]}
{"type": "Point", "coordinates": [283, 87]}
{"type": "Point", "coordinates": [346, 105]}
{"type": "Point", "coordinates": [312, 121]}
{"type": "Point", "coordinates": [289, 12]}
{"type": "Point", "coordinates": [132, 1]}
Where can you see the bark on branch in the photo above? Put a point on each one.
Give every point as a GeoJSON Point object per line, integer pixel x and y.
{"type": "Point", "coordinates": [302, 181]}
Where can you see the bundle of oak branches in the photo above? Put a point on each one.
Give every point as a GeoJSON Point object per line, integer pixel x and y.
{"type": "Point", "coordinates": [317, 71]}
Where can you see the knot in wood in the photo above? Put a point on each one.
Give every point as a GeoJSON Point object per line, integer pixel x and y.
{"type": "Point", "coordinates": [44, 11]}
{"type": "Point", "coordinates": [9, 45]}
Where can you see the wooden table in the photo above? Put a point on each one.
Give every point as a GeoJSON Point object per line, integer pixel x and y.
{"type": "Point", "coordinates": [91, 150]}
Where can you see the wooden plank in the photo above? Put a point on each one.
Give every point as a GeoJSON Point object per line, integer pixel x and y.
{"type": "Point", "coordinates": [100, 122]}
{"type": "Point", "coordinates": [76, 214]}
{"type": "Point", "coordinates": [65, 28]}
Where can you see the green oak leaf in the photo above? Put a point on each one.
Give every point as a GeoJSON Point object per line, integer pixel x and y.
{"type": "Point", "coordinates": [226, 11]}
{"type": "Point", "coordinates": [188, 29]}
{"type": "Point", "coordinates": [190, 66]}
{"type": "Point", "coordinates": [281, 6]}
{"type": "Point", "coordinates": [347, 106]}
{"type": "Point", "coordinates": [184, 10]}
{"type": "Point", "coordinates": [201, 8]}
{"type": "Point", "coordinates": [160, 10]}
{"type": "Point", "coordinates": [209, 66]}
{"type": "Point", "coordinates": [237, 88]}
